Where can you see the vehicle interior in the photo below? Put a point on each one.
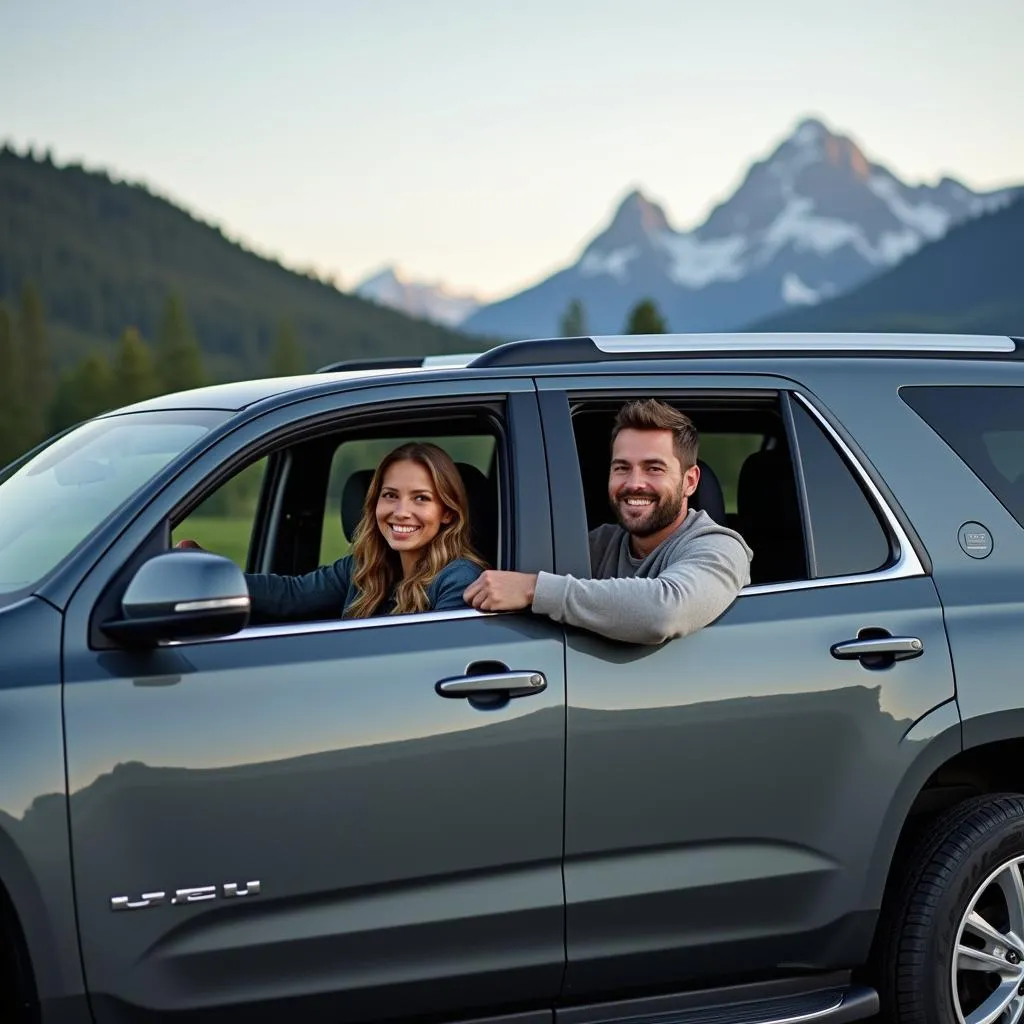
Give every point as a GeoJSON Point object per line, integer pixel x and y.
{"type": "Point", "coordinates": [298, 508]}
{"type": "Point", "coordinates": [747, 478]}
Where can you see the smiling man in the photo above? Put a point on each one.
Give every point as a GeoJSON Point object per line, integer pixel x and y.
{"type": "Point", "coordinates": [665, 570]}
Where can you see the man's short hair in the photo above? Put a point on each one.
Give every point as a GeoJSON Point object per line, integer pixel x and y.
{"type": "Point", "coordinates": [650, 414]}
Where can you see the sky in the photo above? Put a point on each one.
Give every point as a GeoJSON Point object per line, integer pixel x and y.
{"type": "Point", "coordinates": [482, 143]}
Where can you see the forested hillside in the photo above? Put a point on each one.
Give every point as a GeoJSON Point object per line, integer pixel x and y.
{"type": "Point", "coordinates": [109, 293]}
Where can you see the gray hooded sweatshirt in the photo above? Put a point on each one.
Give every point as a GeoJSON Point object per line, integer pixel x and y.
{"type": "Point", "coordinates": [687, 581]}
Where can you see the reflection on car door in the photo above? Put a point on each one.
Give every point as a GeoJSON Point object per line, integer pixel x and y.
{"type": "Point", "coordinates": [718, 787]}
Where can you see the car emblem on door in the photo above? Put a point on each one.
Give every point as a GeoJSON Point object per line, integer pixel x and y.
{"type": "Point", "coordinates": [196, 894]}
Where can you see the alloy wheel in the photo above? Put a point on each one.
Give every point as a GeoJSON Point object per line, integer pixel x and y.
{"type": "Point", "coordinates": [988, 960]}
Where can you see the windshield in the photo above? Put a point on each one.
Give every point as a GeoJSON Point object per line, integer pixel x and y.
{"type": "Point", "coordinates": [61, 495]}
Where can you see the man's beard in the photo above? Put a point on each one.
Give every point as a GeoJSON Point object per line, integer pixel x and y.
{"type": "Point", "coordinates": [659, 515]}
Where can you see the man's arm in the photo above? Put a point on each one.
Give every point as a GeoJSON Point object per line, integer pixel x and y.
{"type": "Point", "coordinates": [684, 598]}
{"type": "Point", "coordinates": [316, 593]}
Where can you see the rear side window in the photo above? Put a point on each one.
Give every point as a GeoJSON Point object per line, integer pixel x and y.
{"type": "Point", "coordinates": [985, 427]}
{"type": "Point", "coordinates": [848, 536]}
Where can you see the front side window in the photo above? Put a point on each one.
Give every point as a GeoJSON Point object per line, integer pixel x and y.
{"type": "Point", "coordinates": [294, 515]}
{"type": "Point", "coordinates": [224, 521]}
{"type": "Point", "coordinates": [57, 499]}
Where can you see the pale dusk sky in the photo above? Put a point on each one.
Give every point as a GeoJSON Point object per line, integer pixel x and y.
{"type": "Point", "coordinates": [481, 143]}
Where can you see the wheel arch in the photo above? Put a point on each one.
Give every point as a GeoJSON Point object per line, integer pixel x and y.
{"type": "Point", "coordinates": [981, 755]}
{"type": "Point", "coordinates": [19, 996]}
{"type": "Point", "coordinates": [941, 738]}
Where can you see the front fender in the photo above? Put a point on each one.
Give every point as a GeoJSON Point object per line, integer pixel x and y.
{"type": "Point", "coordinates": [35, 853]}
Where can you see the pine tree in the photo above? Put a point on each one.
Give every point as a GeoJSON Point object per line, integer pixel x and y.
{"type": "Point", "coordinates": [179, 363]}
{"type": "Point", "coordinates": [286, 359]}
{"type": "Point", "coordinates": [644, 318]}
{"type": "Point", "coordinates": [134, 376]}
{"type": "Point", "coordinates": [84, 391]}
{"type": "Point", "coordinates": [38, 376]}
{"type": "Point", "coordinates": [13, 436]}
{"type": "Point", "coordinates": [574, 321]}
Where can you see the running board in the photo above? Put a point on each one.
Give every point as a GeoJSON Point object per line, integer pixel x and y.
{"type": "Point", "coordinates": [829, 1000]}
{"type": "Point", "coordinates": [814, 1008]}
{"type": "Point", "coordinates": [830, 1005]}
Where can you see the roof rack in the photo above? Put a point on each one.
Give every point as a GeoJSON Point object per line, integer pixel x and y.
{"type": "Point", "coordinates": [383, 363]}
{"type": "Point", "coordinates": [399, 362]}
{"type": "Point", "coordinates": [553, 351]}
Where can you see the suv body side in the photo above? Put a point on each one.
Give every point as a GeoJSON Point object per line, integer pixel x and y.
{"type": "Point", "coordinates": [771, 782]}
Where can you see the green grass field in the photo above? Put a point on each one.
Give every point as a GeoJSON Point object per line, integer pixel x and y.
{"type": "Point", "coordinates": [229, 536]}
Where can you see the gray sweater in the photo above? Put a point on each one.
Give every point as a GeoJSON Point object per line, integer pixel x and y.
{"type": "Point", "coordinates": [690, 579]}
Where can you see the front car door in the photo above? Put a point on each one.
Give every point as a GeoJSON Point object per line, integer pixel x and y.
{"type": "Point", "coordinates": [727, 793]}
{"type": "Point", "coordinates": [292, 818]}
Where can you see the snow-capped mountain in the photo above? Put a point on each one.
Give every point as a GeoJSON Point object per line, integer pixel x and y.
{"type": "Point", "coordinates": [811, 221]}
{"type": "Point", "coordinates": [425, 301]}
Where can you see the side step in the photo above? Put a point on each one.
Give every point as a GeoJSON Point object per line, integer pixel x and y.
{"type": "Point", "coordinates": [814, 1008]}
{"type": "Point", "coordinates": [829, 1005]}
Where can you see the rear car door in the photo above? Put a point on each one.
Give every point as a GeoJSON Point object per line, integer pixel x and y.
{"type": "Point", "coordinates": [292, 818]}
{"type": "Point", "coordinates": [728, 794]}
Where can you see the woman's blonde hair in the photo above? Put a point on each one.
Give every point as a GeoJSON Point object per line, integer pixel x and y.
{"type": "Point", "coordinates": [378, 568]}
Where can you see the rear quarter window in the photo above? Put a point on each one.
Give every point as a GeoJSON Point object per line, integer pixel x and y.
{"type": "Point", "coordinates": [985, 427]}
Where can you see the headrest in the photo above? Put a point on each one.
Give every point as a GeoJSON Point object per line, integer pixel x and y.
{"type": "Point", "coordinates": [483, 511]}
{"type": "Point", "coordinates": [766, 487]}
{"type": "Point", "coordinates": [352, 497]}
{"type": "Point", "coordinates": [708, 495]}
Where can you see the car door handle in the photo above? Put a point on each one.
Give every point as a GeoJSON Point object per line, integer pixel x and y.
{"type": "Point", "coordinates": [897, 648]}
{"type": "Point", "coordinates": [509, 684]}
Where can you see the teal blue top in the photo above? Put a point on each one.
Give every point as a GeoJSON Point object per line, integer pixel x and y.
{"type": "Point", "coordinates": [330, 590]}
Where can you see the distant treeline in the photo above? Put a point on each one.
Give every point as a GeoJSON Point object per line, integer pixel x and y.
{"type": "Point", "coordinates": [643, 318]}
{"type": "Point", "coordinates": [105, 254]}
{"type": "Point", "coordinates": [37, 399]}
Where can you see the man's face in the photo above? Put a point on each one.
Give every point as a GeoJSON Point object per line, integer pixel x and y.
{"type": "Point", "coordinates": [646, 484]}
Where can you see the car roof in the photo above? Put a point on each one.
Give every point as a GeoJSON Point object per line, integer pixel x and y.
{"type": "Point", "coordinates": [558, 354]}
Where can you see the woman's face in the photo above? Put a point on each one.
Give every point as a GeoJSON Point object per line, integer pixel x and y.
{"type": "Point", "coordinates": [409, 511]}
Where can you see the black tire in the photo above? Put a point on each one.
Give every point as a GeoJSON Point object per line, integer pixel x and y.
{"type": "Point", "coordinates": [17, 999]}
{"type": "Point", "coordinates": [949, 866]}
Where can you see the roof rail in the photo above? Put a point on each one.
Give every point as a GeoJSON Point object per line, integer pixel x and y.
{"type": "Point", "coordinates": [553, 351]}
{"type": "Point", "coordinates": [370, 363]}
{"type": "Point", "coordinates": [399, 362]}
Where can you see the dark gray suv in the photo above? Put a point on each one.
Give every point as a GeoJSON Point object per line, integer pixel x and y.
{"type": "Point", "coordinates": [810, 810]}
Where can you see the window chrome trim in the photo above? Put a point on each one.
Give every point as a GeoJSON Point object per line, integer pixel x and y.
{"type": "Point", "coordinates": [907, 563]}
{"type": "Point", "coordinates": [338, 625]}
{"type": "Point", "coordinates": [937, 343]}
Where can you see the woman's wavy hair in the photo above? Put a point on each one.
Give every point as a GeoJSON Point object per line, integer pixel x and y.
{"type": "Point", "coordinates": [378, 569]}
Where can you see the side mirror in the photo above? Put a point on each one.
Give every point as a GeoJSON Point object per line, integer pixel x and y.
{"type": "Point", "coordinates": [181, 595]}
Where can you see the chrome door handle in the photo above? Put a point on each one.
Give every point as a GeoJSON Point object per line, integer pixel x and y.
{"type": "Point", "coordinates": [898, 647]}
{"type": "Point", "coordinates": [509, 684]}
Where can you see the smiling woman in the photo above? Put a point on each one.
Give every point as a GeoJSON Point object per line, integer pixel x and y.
{"type": "Point", "coordinates": [411, 551]}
